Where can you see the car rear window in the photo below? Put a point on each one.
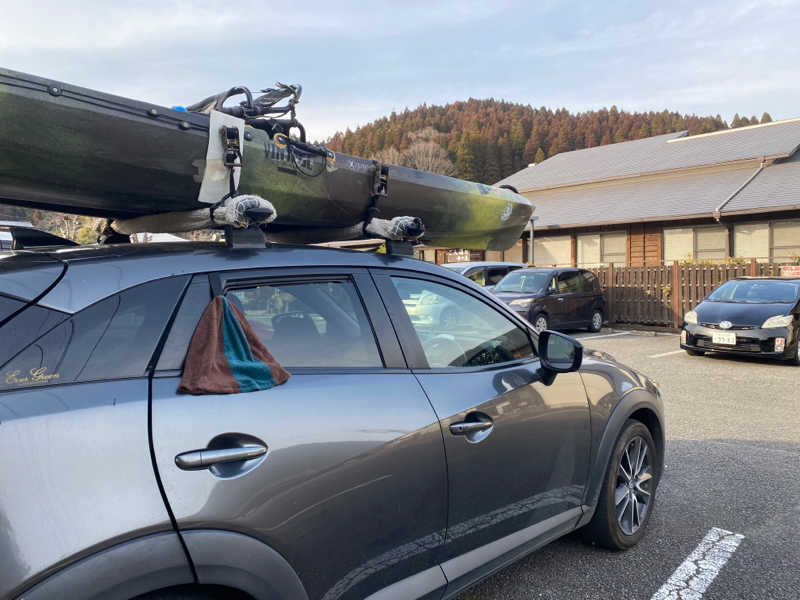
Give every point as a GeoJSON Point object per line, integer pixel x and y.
{"type": "Point", "coordinates": [112, 339]}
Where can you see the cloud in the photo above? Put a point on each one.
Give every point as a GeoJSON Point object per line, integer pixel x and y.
{"type": "Point", "coordinates": [357, 61]}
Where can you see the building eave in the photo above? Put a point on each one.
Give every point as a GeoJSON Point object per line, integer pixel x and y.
{"type": "Point", "coordinates": [683, 170]}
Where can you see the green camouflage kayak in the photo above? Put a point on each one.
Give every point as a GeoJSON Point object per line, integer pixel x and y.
{"type": "Point", "coordinates": [76, 150]}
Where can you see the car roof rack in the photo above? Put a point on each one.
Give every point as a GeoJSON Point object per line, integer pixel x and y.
{"type": "Point", "coordinates": [24, 237]}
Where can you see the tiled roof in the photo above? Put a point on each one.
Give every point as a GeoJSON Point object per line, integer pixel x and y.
{"type": "Point", "coordinates": [660, 153]}
{"type": "Point", "coordinates": [778, 185]}
{"type": "Point", "coordinates": [631, 200]}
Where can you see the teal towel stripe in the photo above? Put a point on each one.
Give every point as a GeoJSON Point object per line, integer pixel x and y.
{"type": "Point", "coordinates": [250, 374]}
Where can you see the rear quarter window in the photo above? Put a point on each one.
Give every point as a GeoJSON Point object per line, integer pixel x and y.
{"type": "Point", "coordinates": [112, 339]}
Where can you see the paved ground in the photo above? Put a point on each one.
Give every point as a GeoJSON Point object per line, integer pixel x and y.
{"type": "Point", "coordinates": [733, 462]}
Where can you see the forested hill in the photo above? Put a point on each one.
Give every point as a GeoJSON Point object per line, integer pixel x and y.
{"type": "Point", "coordinates": [487, 140]}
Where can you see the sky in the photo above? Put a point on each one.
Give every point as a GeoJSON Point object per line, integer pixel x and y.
{"type": "Point", "coordinates": [359, 61]}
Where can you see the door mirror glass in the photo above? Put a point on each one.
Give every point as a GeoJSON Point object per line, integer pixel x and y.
{"type": "Point", "coordinates": [559, 352]}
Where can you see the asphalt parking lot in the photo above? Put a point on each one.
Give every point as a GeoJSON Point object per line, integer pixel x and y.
{"type": "Point", "coordinates": [732, 463]}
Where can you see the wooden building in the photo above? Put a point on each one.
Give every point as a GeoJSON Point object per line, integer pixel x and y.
{"type": "Point", "coordinates": [710, 197]}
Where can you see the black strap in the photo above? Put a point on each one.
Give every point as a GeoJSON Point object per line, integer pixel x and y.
{"type": "Point", "coordinates": [379, 190]}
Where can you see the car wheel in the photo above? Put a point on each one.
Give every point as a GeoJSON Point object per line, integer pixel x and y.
{"type": "Point", "coordinates": [628, 495]}
{"type": "Point", "coordinates": [448, 318]}
{"type": "Point", "coordinates": [795, 360]}
{"type": "Point", "coordinates": [540, 322]}
{"type": "Point", "coordinates": [596, 323]}
{"type": "Point", "coordinates": [694, 352]}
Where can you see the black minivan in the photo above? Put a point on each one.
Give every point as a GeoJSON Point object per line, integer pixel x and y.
{"type": "Point", "coordinates": [554, 298]}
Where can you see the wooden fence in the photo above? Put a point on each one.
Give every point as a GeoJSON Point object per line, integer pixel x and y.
{"type": "Point", "coordinates": [662, 295]}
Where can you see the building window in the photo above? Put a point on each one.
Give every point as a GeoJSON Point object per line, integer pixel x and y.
{"type": "Point", "coordinates": [751, 240]}
{"type": "Point", "coordinates": [776, 241]}
{"type": "Point", "coordinates": [785, 245]}
{"type": "Point", "coordinates": [696, 243]}
{"type": "Point", "coordinates": [601, 249]}
{"type": "Point", "coordinates": [552, 251]}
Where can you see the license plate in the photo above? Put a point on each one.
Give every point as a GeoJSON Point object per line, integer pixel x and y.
{"type": "Point", "coordinates": [725, 338]}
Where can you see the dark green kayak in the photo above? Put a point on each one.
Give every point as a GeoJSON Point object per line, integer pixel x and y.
{"type": "Point", "coordinates": [76, 150]}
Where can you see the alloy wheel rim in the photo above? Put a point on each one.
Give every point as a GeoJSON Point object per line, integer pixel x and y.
{"type": "Point", "coordinates": [540, 324]}
{"type": "Point", "coordinates": [633, 489]}
{"type": "Point", "coordinates": [597, 320]}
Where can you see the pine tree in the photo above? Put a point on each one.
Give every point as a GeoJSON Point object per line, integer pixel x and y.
{"type": "Point", "coordinates": [539, 155]}
{"type": "Point", "coordinates": [765, 118]}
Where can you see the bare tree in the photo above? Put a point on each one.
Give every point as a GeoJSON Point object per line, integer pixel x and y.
{"type": "Point", "coordinates": [428, 156]}
{"type": "Point", "coordinates": [425, 154]}
{"type": "Point", "coordinates": [390, 156]}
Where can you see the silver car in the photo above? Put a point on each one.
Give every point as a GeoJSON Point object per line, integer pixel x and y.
{"type": "Point", "coordinates": [394, 463]}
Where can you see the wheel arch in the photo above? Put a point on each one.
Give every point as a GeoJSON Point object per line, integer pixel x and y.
{"type": "Point", "coordinates": [638, 404]}
{"type": "Point", "coordinates": [157, 563]}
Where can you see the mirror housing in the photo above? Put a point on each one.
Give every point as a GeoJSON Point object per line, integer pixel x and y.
{"type": "Point", "coordinates": [559, 352]}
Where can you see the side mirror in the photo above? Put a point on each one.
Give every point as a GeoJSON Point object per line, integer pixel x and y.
{"type": "Point", "coordinates": [559, 353]}
{"type": "Point", "coordinates": [550, 290]}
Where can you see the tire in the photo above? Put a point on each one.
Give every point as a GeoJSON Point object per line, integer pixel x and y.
{"type": "Point", "coordinates": [194, 592]}
{"type": "Point", "coordinates": [540, 322]}
{"type": "Point", "coordinates": [795, 360]}
{"type": "Point", "coordinates": [694, 352]}
{"type": "Point", "coordinates": [614, 524]}
{"type": "Point", "coordinates": [596, 324]}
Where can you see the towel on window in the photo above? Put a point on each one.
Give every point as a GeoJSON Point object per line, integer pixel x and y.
{"type": "Point", "coordinates": [226, 356]}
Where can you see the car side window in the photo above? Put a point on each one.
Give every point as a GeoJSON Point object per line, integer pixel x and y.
{"type": "Point", "coordinates": [589, 282]}
{"type": "Point", "coordinates": [478, 276]}
{"type": "Point", "coordinates": [456, 329]}
{"type": "Point", "coordinates": [310, 324]}
{"type": "Point", "coordinates": [112, 339]}
{"type": "Point", "coordinates": [495, 275]}
{"type": "Point", "coordinates": [570, 282]}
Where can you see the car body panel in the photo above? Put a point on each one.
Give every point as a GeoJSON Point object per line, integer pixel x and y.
{"type": "Point", "coordinates": [82, 473]}
{"type": "Point", "coordinates": [541, 429]}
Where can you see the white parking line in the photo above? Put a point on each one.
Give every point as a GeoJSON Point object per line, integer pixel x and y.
{"type": "Point", "coordinates": [665, 354]}
{"type": "Point", "coordinates": [692, 578]}
{"type": "Point", "coordinates": [594, 337]}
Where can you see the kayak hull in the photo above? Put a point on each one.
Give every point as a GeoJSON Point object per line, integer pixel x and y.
{"type": "Point", "coordinates": [75, 150]}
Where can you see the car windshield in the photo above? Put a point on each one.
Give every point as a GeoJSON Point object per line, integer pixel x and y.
{"type": "Point", "coordinates": [523, 281]}
{"type": "Point", "coordinates": [754, 291]}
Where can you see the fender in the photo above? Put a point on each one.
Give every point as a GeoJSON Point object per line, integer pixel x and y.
{"type": "Point", "coordinates": [120, 572]}
{"type": "Point", "coordinates": [635, 400]}
{"type": "Point", "coordinates": [242, 562]}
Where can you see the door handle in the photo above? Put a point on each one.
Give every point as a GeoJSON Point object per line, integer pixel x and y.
{"type": "Point", "coordinates": [466, 427]}
{"type": "Point", "coordinates": [560, 299]}
{"type": "Point", "coordinates": [195, 460]}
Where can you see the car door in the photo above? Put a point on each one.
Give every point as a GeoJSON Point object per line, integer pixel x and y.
{"type": "Point", "coordinates": [584, 297]}
{"type": "Point", "coordinates": [516, 438]}
{"type": "Point", "coordinates": [570, 286]}
{"type": "Point", "coordinates": [352, 488]}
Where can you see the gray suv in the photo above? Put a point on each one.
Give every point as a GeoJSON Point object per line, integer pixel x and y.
{"type": "Point", "coordinates": [400, 460]}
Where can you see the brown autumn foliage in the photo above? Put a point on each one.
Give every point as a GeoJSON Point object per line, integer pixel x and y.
{"type": "Point", "coordinates": [487, 140]}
